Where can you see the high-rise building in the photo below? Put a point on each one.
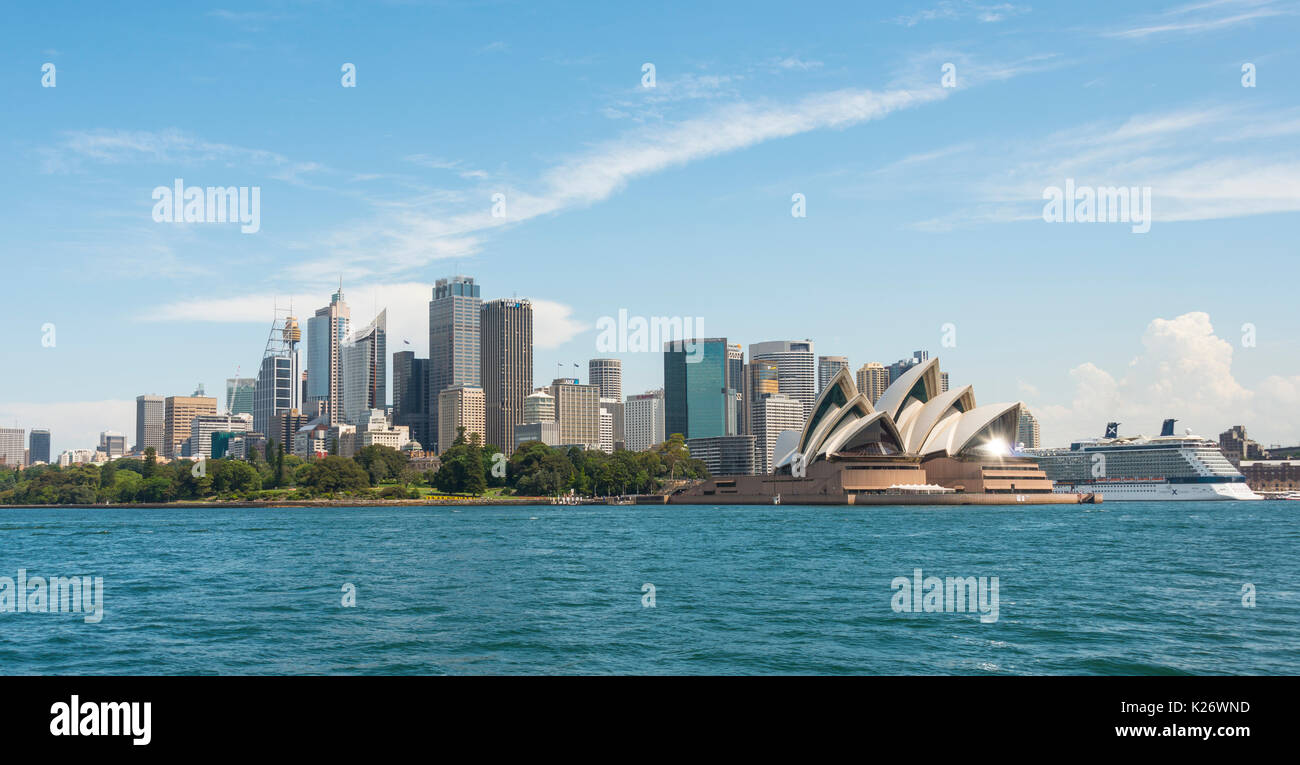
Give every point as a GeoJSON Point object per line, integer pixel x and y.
{"type": "Point", "coordinates": [898, 368]}
{"type": "Point", "coordinates": [617, 421]}
{"type": "Point", "coordinates": [326, 332]}
{"type": "Point", "coordinates": [698, 403]}
{"type": "Point", "coordinates": [645, 421]}
{"type": "Point", "coordinates": [204, 426]}
{"type": "Point", "coordinates": [943, 382]}
{"type": "Point", "coordinates": [38, 447]}
{"type": "Point", "coordinates": [239, 394]}
{"type": "Point", "coordinates": [283, 427]}
{"type": "Point", "coordinates": [827, 366]}
{"type": "Point", "coordinates": [178, 415]}
{"type": "Point", "coordinates": [13, 452]}
{"type": "Point", "coordinates": [796, 368]}
{"type": "Point", "coordinates": [607, 374]}
{"type": "Point", "coordinates": [539, 406]}
{"type": "Point", "coordinates": [411, 396]}
{"type": "Point", "coordinates": [365, 364]}
{"type": "Point", "coordinates": [277, 389]}
{"type": "Point", "coordinates": [761, 379]}
{"type": "Point", "coordinates": [455, 350]}
{"type": "Point", "coordinates": [1027, 432]}
{"type": "Point", "coordinates": [577, 410]}
{"type": "Point", "coordinates": [150, 424]}
{"type": "Point", "coordinates": [606, 428]}
{"type": "Point", "coordinates": [873, 378]}
{"type": "Point", "coordinates": [507, 366]}
{"type": "Point", "coordinates": [724, 455]}
{"type": "Point", "coordinates": [112, 444]}
{"type": "Point", "coordinates": [736, 386]}
{"type": "Point", "coordinates": [461, 406]}
{"type": "Point", "coordinates": [773, 413]}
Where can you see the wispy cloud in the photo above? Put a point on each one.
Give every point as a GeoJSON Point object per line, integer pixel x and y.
{"type": "Point", "coordinates": [963, 10]}
{"type": "Point", "coordinates": [169, 146]}
{"type": "Point", "coordinates": [1202, 17]}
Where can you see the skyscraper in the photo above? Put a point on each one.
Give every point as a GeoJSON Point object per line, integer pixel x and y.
{"type": "Point", "coordinates": [179, 414]}
{"type": "Point", "coordinates": [645, 421]}
{"type": "Point", "coordinates": [761, 379]}
{"type": "Point", "coordinates": [872, 380]}
{"type": "Point", "coordinates": [1027, 432]}
{"type": "Point", "coordinates": [239, 395]}
{"type": "Point", "coordinates": [112, 444]}
{"type": "Point", "coordinates": [577, 410]}
{"type": "Point", "coordinates": [827, 366]}
{"type": "Point", "coordinates": [507, 367]}
{"type": "Point", "coordinates": [697, 400]}
{"type": "Point", "coordinates": [455, 323]}
{"type": "Point", "coordinates": [796, 368]}
{"type": "Point", "coordinates": [12, 451]}
{"type": "Point", "coordinates": [607, 375]}
{"type": "Point", "coordinates": [277, 390]}
{"type": "Point", "coordinates": [773, 413]}
{"type": "Point", "coordinates": [897, 369]}
{"type": "Point", "coordinates": [326, 332]}
{"type": "Point", "coordinates": [411, 396]}
{"type": "Point", "coordinates": [38, 447]}
{"type": "Point", "coordinates": [150, 424]}
{"type": "Point", "coordinates": [365, 364]}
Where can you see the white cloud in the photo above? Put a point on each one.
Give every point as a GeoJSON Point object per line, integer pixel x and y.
{"type": "Point", "coordinates": [1184, 371]}
{"type": "Point", "coordinates": [1201, 17]}
{"type": "Point", "coordinates": [74, 424]}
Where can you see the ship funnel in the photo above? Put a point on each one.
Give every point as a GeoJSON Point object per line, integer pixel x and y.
{"type": "Point", "coordinates": [1112, 430]}
{"type": "Point", "coordinates": [1167, 429]}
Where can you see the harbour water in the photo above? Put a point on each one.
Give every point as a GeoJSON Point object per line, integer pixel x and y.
{"type": "Point", "coordinates": [1125, 588]}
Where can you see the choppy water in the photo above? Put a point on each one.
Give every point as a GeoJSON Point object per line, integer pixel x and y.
{"type": "Point", "coordinates": [1124, 588]}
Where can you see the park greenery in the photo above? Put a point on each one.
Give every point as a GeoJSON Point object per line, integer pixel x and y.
{"type": "Point", "coordinates": [376, 472]}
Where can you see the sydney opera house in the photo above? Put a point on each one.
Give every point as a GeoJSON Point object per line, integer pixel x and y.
{"type": "Point", "coordinates": [916, 445]}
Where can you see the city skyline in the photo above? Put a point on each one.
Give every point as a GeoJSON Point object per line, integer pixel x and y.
{"type": "Point", "coordinates": [673, 200]}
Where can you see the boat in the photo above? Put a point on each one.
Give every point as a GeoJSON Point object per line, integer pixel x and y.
{"type": "Point", "coordinates": [1167, 467]}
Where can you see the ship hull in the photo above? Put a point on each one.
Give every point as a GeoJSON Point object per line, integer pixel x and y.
{"type": "Point", "coordinates": [1160, 491]}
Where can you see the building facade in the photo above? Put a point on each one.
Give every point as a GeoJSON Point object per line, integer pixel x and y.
{"type": "Point", "coordinates": [151, 424]}
{"type": "Point", "coordinates": [461, 406]}
{"type": "Point", "coordinates": [645, 421]}
{"type": "Point", "coordinates": [698, 403]}
{"type": "Point", "coordinates": [796, 368]}
{"type": "Point", "coordinates": [872, 379]}
{"type": "Point", "coordinates": [411, 396]}
{"type": "Point", "coordinates": [178, 415]}
{"type": "Point", "coordinates": [455, 337]}
{"type": "Point", "coordinates": [577, 411]}
{"type": "Point", "coordinates": [507, 366]}
{"type": "Point", "coordinates": [277, 389]}
{"type": "Point", "coordinates": [773, 414]}
{"type": "Point", "coordinates": [1027, 434]}
{"type": "Point", "coordinates": [827, 367]}
{"type": "Point", "coordinates": [13, 449]}
{"type": "Point", "coordinates": [38, 446]}
{"type": "Point", "coordinates": [365, 378]}
{"type": "Point", "coordinates": [239, 394]}
{"type": "Point", "coordinates": [326, 332]}
{"type": "Point", "coordinates": [724, 455]}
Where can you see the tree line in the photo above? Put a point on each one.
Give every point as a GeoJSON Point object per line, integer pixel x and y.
{"type": "Point", "coordinates": [534, 469]}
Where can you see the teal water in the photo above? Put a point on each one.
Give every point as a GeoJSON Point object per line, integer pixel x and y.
{"type": "Point", "coordinates": [1124, 588]}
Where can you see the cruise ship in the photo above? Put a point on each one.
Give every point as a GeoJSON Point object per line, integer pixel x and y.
{"type": "Point", "coordinates": [1138, 468]}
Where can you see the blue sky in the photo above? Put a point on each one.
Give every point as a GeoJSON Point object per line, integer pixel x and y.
{"type": "Point", "coordinates": [924, 203]}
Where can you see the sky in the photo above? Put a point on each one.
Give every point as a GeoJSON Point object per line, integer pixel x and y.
{"type": "Point", "coordinates": [923, 138]}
